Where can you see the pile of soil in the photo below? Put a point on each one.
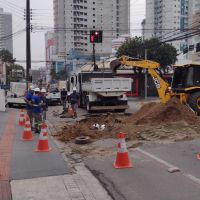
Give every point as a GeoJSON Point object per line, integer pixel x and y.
{"type": "Point", "coordinates": [154, 121]}
{"type": "Point", "coordinates": [156, 113]}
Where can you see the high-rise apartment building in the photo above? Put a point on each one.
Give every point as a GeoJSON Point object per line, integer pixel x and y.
{"type": "Point", "coordinates": [6, 41]}
{"type": "Point", "coordinates": [166, 19]}
{"type": "Point", "coordinates": [194, 22]}
{"type": "Point", "coordinates": [73, 20]}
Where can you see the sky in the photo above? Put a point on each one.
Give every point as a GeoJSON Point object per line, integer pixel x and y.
{"type": "Point", "coordinates": [42, 15]}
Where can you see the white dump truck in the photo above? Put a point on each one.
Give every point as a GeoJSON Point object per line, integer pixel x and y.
{"type": "Point", "coordinates": [100, 91]}
{"type": "Point", "coordinates": [15, 97]}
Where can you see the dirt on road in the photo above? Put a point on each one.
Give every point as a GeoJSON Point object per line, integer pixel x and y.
{"type": "Point", "coordinates": [153, 122]}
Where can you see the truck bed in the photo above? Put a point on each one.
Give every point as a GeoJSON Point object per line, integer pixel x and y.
{"type": "Point", "coordinates": [107, 85]}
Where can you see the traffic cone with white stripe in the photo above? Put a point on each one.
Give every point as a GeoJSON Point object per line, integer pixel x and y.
{"type": "Point", "coordinates": [43, 144]}
{"type": "Point", "coordinates": [21, 118]}
{"type": "Point", "coordinates": [27, 135]}
{"type": "Point", "coordinates": [122, 159]}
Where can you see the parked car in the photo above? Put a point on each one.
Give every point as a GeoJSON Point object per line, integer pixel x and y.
{"type": "Point", "coordinates": [53, 96]}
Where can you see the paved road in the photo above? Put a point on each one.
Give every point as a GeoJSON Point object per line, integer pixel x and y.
{"type": "Point", "coordinates": [149, 179]}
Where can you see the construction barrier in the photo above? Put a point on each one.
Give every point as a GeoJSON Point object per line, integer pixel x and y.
{"type": "Point", "coordinates": [122, 159]}
{"type": "Point", "coordinates": [27, 135]}
{"type": "Point", "coordinates": [43, 144]}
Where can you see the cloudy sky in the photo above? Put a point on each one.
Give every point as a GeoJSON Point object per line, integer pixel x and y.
{"type": "Point", "coordinates": [42, 15]}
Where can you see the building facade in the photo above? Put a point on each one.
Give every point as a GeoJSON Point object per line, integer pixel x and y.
{"type": "Point", "coordinates": [166, 20]}
{"type": "Point", "coordinates": [6, 41]}
{"type": "Point", "coordinates": [194, 21]}
{"type": "Point", "coordinates": [73, 20]}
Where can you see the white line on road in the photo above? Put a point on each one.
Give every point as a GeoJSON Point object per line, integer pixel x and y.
{"type": "Point", "coordinates": [189, 176]}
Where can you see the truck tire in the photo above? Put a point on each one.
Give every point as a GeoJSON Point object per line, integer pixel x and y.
{"type": "Point", "coordinates": [82, 140]}
{"type": "Point", "coordinates": [194, 102]}
{"type": "Point", "coordinates": [88, 106]}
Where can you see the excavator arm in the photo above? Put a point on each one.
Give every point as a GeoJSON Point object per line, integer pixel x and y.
{"type": "Point", "coordinates": [162, 86]}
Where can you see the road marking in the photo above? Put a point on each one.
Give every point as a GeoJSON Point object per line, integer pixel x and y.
{"type": "Point", "coordinates": [167, 164]}
{"type": "Point", "coordinates": [156, 158]}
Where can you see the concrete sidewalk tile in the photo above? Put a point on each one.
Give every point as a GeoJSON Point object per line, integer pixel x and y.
{"type": "Point", "coordinates": [91, 182]}
{"type": "Point", "coordinates": [83, 187]}
{"type": "Point", "coordinates": [45, 188]}
{"type": "Point", "coordinates": [72, 188]}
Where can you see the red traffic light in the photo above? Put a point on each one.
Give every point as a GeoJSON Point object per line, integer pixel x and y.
{"type": "Point", "coordinates": [96, 36]}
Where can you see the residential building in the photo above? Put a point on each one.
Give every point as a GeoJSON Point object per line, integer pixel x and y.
{"type": "Point", "coordinates": [166, 20]}
{"type": "Point", "coordinates": [194, 21]}
{"type": "Point", "coordinates": [73, 20]}
{"type": "Point", "coordinates": [116, 43]}
{"type": "Point", "coordinates": [6, 41]}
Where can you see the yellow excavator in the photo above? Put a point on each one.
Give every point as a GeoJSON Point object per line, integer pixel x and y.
{"type": "Point", "coordinates": [185, 82]}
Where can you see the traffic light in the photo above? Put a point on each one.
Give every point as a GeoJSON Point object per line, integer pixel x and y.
{"type": "Point", "coordinates": [96, 36]}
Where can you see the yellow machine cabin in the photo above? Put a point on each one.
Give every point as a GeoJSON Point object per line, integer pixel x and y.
{"type": "Point", "coordinates": [185, 83]}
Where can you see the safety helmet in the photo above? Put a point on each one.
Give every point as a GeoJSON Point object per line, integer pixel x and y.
{"type": "Point", "coordinates": [74, 88]}
{"type": "Point", "coordinates": [31, 87]}
{"type": "Point", "coordinates": [63, 87]}
{"type": "Point", "coordinates": [37, 90]}
{"type": "Point", "coordinates": [43, 90]}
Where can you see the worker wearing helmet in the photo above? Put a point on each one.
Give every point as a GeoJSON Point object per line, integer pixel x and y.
{"type": "Point", "coordinates": [63, 95]}
{"type": "Point", "coordinates": [27, 99]}
{"type": "Point", "coordinates": [44, 104]}
{"type": "Point", "coordinates": [74, 98]}
{"type": "Point", "coordinates": [36, 109]}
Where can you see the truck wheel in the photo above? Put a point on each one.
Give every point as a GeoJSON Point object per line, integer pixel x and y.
{"type": "Point", "coordinates": [88, 106]}
{"type": "Point", "coordinates": [194, 102]}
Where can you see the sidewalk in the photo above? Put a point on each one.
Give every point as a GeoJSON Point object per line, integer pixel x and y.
{"type": "Point", "coordinates": [29, 175]}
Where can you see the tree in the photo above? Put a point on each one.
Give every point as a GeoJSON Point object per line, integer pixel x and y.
{"type": "Point", "coordinates": [11, 73]}
{"type": "Point", "coordinates": [6, 56]}
{"type": "Point", "coordinates": [160, 52]}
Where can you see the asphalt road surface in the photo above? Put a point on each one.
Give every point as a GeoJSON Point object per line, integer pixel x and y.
{"type": "Point", "coordinates": [149, 178]}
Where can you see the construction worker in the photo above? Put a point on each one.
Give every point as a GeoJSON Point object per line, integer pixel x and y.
{"type": "Point", "coordinates": [27, 99]}
{"type": "Point", "coordinates": [44, 104]}
{"type": "Point", "coordinates": [36, 109]}
{"type": "Point", "coordinates": [63, 95]}
{"type": "Point", "coordinates": [74, 98]}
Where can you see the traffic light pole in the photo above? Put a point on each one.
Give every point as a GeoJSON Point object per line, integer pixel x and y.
{"type": "Point", "coordinates": [28, 43]}
{"type": "Point", "coordinates": [94, 58]}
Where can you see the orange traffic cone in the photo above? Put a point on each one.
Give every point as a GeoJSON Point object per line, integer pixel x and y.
{"type": "Point", "coordinates": [27, 135]}
{"type": "Point", "coordinates": [70, 111]}
{"type": "Point", "coordinates": [43, 144]}
{"type": "Point", "coordinates": [122, 159]}
{"type": "Point", "coordinates": [21, 118]}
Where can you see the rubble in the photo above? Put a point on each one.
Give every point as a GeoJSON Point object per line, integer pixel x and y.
{"type": "Point", "coordinates": [153, 122]}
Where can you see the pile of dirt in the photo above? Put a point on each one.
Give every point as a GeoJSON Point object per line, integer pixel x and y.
{"type": "Point", "coordinates": [154, 121]}
{"type": "Point", "coordinates": [156, 113]}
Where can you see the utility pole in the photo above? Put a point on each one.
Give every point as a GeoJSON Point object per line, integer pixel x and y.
{"type": "Point", "coordinates": [94, 58]}
{"type": "Point", "coordinates": [28, 43]}
{"type": "Point", "coordinates": [145, 76]}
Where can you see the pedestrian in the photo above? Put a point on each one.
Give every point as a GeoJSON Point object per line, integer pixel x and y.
{"type": "Point", "coordinates": [63, 96]}
{"type": "Point", "coordinates": [74, 99]}
{"type": "Point", "coordinates": [37, 110]}
{"type": "Point", "coordinates": [44, 104]}
{"type": "Point", "coordinates": [27, 99]}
